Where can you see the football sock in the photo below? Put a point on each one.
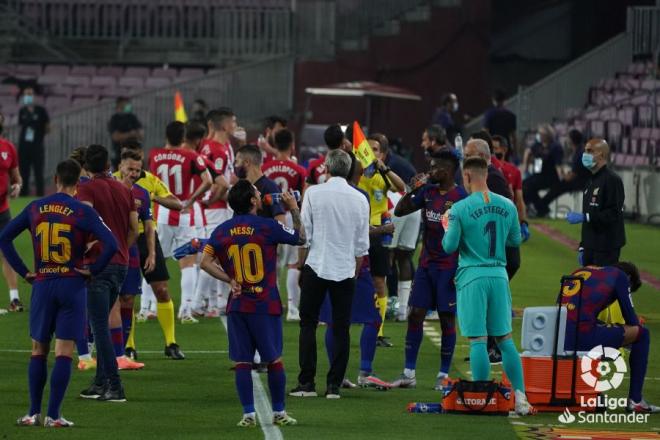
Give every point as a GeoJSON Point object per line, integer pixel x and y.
{"type": "Point", "coordinates": [293, 288]}
{"type": "Point", "coordinates": [116, 334]}
{"type": "Point", "coordinates": [147, 297]}
{"type": "Point", "coordinates": [13, 294]}
{"type": "Point", "coordinates": [639, 358]}
{"type": "Point", "coordinates": [329, 342]}
{"type": "Point", "coordinates": [479, 361]}
{"type": "Point", "coordinates": [244, 386]}
{"type": "Point", "coordinates": [368, 345]}
{"type": "Point", "coordinates": [204, 282]}
{"type": "Point", "coordinates": [188, 275]}
{"type": "Point", "coordinates": [37, 376]}
{"type": "Point", "coordinates": [222, 291]}
{"type": "Point", "coordinates": [59, 381]}
{"type": "Point", "coordinates": [277, 385]}
{"type": "Point", "coordinates": [381, 303]}
{"type": "Point", "coordinates": [130, 342]}
{"type": "Point", "coordinates": [126, 323]}
{"type": "Point", "coordinates": [213, 294]}
{"type": "Point", "coordinates": [448, 343]}
{"type": "Point", "coordinates": [166, 320]}
{"type": "Point", "coordinates": [414, 336]}
{"type": "Point", "coordinates": [403, 292]}
{"type": "Point", "coordinates": [511, 364]}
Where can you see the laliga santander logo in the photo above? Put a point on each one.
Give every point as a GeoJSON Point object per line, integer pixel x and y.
{"type": "Point", "coordinates": [566, 417]}
{"type": "Point", "coordinates": [606, 378]}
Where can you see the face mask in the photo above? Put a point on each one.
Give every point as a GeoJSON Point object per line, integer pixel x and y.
{"type": "Point", "coordinates": [28, 99]}
{"type": "Point", "coordinates": [128, 108]}
{"type": "Point", "coordinates": [538, 137]}
{"type": "Point", "coordinates": [500, 156]}
{"type": "Point", "coordinates": [454, 107]}
{"type": "Point", "coordinates": [240, 172]}
{"type": "Point", "coordinates": [588, 160]}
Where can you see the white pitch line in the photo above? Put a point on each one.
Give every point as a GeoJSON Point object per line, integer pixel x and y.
{"type": "Point", "coordinates": [9, 350]}
{"type": "Point", "coordinates": [262, 405]}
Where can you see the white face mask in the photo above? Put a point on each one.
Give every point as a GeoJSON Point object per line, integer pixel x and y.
{"type": "Point", "coordinates": [538, 137]}
{"type": "Point", "coordinates": [454, 107]}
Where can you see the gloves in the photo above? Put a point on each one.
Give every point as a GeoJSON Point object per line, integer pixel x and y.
{"type": "Point", "coordinates": [575, 217]}
{"type": "Point", "coordinates": [524, 231]}
{"type": "Point", "coordinates": [581, 256]}
{"type": "Point", "coordinates": [191, 248]}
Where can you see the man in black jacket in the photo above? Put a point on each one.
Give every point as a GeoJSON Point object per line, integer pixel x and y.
{"type": "Point", "coordinates": [603, 232]}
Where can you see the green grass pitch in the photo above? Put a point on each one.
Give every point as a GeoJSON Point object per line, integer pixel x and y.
{"type": "Point", "coordinates": [196, 398]}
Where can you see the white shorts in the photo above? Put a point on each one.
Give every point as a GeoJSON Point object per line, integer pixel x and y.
{"type": "Point", "coordinates": [172, 237]}
{"type": "Point", "coordinates": [406, 229]}
{"type": "Point", "coordinates": [287, 254]}
{"type": "Point", "coordinates": [216, 217]}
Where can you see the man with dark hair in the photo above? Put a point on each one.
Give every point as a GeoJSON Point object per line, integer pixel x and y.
{"type": "Point", "coordinates": [434, 138]}
{"type": "Point", "coordinates": [575, 180]}
{"type": "Point", "coordinates": [433, 285]}
{"type": "Point", "coordinates": [35, 124]}
{"type": "Point", "coordinates": [501, 152]}
{"type": "Point", "coordinates": [543, 161]}
{"type": "Point", "coordinates": [444, 116]}
{"type": "Point", "coordinates": [60, 227]}
{"type": "Point", "coordinates": [115, 205]}
{"type": "Point", "coordinates": [198, 111]}
{"type": "Point", "coordinates": [334, 138]}
{"type": "Point", "coordinates": [243, 252]}
{"type": "Point", "coordinates": [599, 288]}
{"type": "Point", "coordinates": [248, 166]}
{"type": "Point", "coordinates": [10, 187]}
{"type": "Point", "coordinates": [480, 227]}
{"type": "Point", "coordinates": [273, 124]}
{"type": "Point", "coordinates": [500, 121]}
{"type": "Point", "coordinates": [176, 166]}
{"type": "Point", "coordinates": [288, 175]}
{"type": "Point", "coordinates": [123, 125]}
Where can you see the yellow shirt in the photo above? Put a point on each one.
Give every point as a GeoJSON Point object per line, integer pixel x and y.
{"type": "Point", "coordinates": [376, 187]}
{"type": "Point", "coordinates": [612, 314]}
{"type": "Point", "coordinates": [153, 185]}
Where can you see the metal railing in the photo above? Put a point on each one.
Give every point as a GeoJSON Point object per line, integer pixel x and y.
{"type": "Point", "coordinates": [225, 27]}
{"type": "Point", "coordinates": [253, 90]}
{"type": "Point", "coordinates": [359, 19]}
{"type": "Point", "coordinates": [567, 87]}
{"type": "Point", "coordinates": [644, 26]}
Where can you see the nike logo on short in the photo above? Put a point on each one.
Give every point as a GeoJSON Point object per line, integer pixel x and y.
{"type": "Point", "coordinates": [451, 304]}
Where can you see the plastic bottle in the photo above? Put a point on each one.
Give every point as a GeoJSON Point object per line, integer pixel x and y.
{"type": "Point", "coordinates": [386, 219]}
{"type": "Point", "coordinates": [458, 143]}
{"type": "Point", "coordinates": [272, 198]}
{"type": "Point", "coordinates": [420, 407]}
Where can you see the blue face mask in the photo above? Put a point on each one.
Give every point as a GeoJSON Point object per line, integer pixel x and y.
{"type": "Point", "coordinates": [588, 160]}
{"type": "Point", "coordinates": [28, 99]}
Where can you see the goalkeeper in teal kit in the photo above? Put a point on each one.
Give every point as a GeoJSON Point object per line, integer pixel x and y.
{"type": "Point", "coordinates": [480, 227]}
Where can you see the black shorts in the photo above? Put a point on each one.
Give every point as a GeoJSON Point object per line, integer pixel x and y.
{"type": "Point", "coordinates": [379, 258]}
{"type": "Point", "coordinates": [5, 218]}
{"type": "Point", "coordinates": [160, 272]}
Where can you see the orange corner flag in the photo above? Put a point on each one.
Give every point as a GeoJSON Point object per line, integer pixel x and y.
{"type": "Point", "coordinates": [179, 109]}
{"type": "Point", "coordinates": [361, 147]}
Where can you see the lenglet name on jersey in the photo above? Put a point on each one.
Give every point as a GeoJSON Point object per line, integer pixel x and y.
{"type": "Point", "coordinates": [489, 210]}
{"type": "Point", "coordinates": [56, 209]}
{"type": "Point", "coordinates": [241, 230]}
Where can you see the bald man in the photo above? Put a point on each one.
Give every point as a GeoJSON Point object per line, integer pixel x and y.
{"type": "Point", "coordinates": [603, 232]}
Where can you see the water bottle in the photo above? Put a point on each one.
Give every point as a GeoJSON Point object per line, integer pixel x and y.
{"type": "Point", "coordinates": [386, 219]}
{"type": "Point", "coordinates": [420, 407]}
{"type": "Point", "coordinates": [272, 198]}
{"type": "Point", "coordinates": [458, 143]}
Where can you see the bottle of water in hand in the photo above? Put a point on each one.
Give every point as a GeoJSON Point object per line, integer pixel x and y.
{"type": "Point", "coordinates": [272, 198]}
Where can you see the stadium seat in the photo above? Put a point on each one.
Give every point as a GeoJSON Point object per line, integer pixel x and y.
{"type": "Point", "coordinates": [77, 80]}
{"type": "Point", "coordinates": [115, 71]}
{"type": "Point", "coordinates": [103, 81]}
{"type": "Point", "coordinates": [131, 82]}
{"type": "Point", "coordinates": [56, 70]}
{"type": "Point", "coordinates": [156, 82]}
{"type": "Point", "coordinates": [190, 72]}
{"type": "Point", "coordinates": [83, 70]}
{"type": "Point", "coordinates": [164, 73]}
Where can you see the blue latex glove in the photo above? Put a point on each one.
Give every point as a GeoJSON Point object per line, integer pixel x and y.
{"type": "Point", "coordinates": [581, 256]}
{"type": "Point", "coordinates": [190, 248]}
{"type": "Point", "coordinates": [574, 217]}
{"type": "Point", "coordinates": [524, 231]}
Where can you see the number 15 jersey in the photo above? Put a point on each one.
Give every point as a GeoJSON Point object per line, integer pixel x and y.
{"type": "Point", "coordinates": [246, 247]}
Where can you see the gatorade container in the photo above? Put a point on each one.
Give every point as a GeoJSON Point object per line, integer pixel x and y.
{"type": "Point", "coordinates": [272, 198]}
{"type": "Point", "coordinates": [386, 239]}
{"type": "Point", "coordinates": [419, 407]}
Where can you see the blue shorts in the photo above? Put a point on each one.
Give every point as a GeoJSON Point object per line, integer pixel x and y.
{"type": "Point", "coordinates": [58, 306]}
{"type": "Point", "coordinates": [433, 289]}
{"type": "Point", "coordinates": [132, 283]}
{"type": "Point", "coordinates": [363, 308]}
{"type": "Point", "coordinates": [611, 336]}
{"type": "Point", "coordinates": [248, 332]}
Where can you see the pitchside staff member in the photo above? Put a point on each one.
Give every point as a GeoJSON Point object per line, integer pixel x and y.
{"type": "Point", "coordinates": [603, 232]}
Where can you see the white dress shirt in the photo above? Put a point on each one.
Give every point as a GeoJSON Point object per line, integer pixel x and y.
{"type": "Point", "coordinates": [336, 220]}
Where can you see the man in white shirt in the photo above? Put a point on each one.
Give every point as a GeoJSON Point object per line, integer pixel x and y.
{"type": "Point", "coordinates": [336, 218]}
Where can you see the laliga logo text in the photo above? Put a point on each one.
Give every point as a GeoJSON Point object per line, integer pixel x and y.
{"type": "Point", "coordinates": [603, 369]}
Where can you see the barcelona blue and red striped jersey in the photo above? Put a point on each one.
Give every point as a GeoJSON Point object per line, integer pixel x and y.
{"type": "Point", "coordinates": [434, 204]}
{"type": "Point", "coordinates": [60, 227]}
{"type": "Point", "coordinates": [246, 247]}
{"type": "Point", "coordinates": [143, 207]}
{"type": "Point", "coordinates": [601, 287]}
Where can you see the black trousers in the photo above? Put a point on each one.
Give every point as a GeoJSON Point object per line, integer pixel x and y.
{"type": "Point", "coordinates": [601, 258]}
{"type": "Point", "coordinates": [533, 184]}
{"type": "Point", "coordinates": [556, 190]}
{"type": "Point", "coordinates": [312, 294]}
{"type": "Point", "coordinates": [31, 156]}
